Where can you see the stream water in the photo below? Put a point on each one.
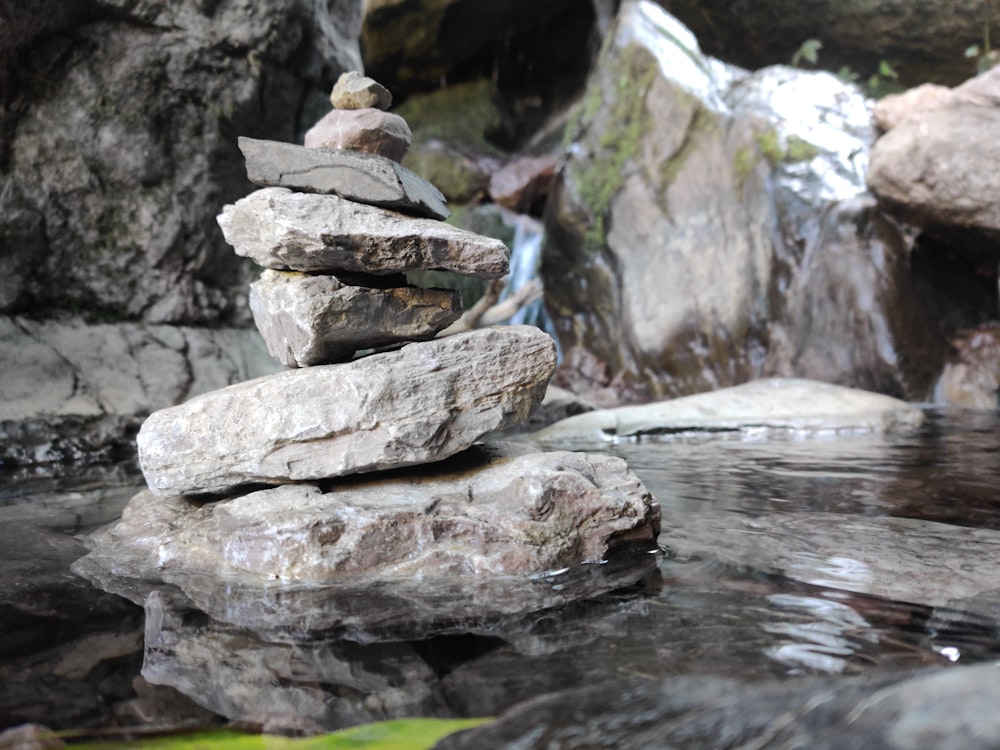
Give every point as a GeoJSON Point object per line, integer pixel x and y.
{"type": "Point", "coordinates": [781, 558]}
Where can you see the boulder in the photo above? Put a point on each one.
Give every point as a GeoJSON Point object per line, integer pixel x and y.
{"type": "Point", "coordinates": [356, 91]}
{"type": "Point", "coordinates": [72, 391]}
{"type": "Point", "coordinates": [710, 226]}
{"type": "Point", "coordinates": [929, 168]}
{"type": "Point", "coordinates": [280, 229]}
{"type": "Point", "coordinates": [120, 146]}
{"type": "Point", "coordinates": [314, 320]}
{"type": "Point", "coordinates": [370, 131]}
{"type": "Point", "coordinates": [363, 178]}
{"type": "Point", "coordinates": [775, 406]}
{"type": "Point", "coordinates": [420, 404]}
{"type": "Point", "coordinates": [518, 516]}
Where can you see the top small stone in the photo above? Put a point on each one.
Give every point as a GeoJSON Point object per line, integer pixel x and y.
{"type": "Point", "coordinates": [356, 91]}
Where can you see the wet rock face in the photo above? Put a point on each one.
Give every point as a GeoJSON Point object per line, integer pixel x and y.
{"type": "Point", "coordinates": [919, 38]}
{"type": "Point", "coordinates": [119, 146]}
{"type": "Point", "coordinates": [710, 226]}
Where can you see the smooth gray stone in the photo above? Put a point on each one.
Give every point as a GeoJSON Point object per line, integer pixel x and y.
{"type": "Point", "coordinates": [422, 403]}
{"type": "Point", "coordinates": [942, 708]}
{"type": "Point", "coordinates": [773, 406]}
{"type": "Point", "coordinates": [365, 178]}
{"type": "Point", "coordinates": [526, 515]}
{"type": "Point", "coordinates": [281, 229]}
{"type": "Point", "coordinates": [314, 320]}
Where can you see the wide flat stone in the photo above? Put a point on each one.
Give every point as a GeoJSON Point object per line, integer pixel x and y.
{"type": "Point", "coordinates": [313, 320]}
{"type": "Point", "coordinates": [523, 515]}
{"type": "Point", "coordinates": [365, 178]}
{"type": "Point", "coordinates": [371, 131]}
{"type": "Point", "coordinates": [775, 406]}
{"type": "Point", "coordinates": [281, 229]}
{"type": "Point", "coordinates": [422, 403]}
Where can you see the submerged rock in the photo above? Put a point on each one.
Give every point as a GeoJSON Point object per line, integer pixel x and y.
{"type": "Point", "coordinates": [529, 514]}
{"type": "Point", "coordinates": [314, 320]}
{"type": "Point", "coordinates": [420, 404]}
{"type": "Point", "coordinates": [279, 229]}
{"type": "Point", "coordinates": [932, 708]}
{"type": "Point", "coordinates": [364, 178]}
{"type": "Point", "coordinates": [775, 405]}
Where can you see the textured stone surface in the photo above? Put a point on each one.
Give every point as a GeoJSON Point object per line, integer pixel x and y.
{"type": "Point", "coordinates": [777, 405]}
{"type": "Point", "coordinates": [420, 404]}
{"type": "Point", "coordinates": [121, 146]}
{"type": "Point", "coordinates": [305, 232]}
{"type": "Point", "coordinates": [949, 708]}
{"type": "Point", "coordinates": [523, 184]}
{"type": "Point", "coordinates": [371, 131]}
{"type": "Point", "coordinates": [74, 391]}
{"type": "Point", "coordinates": [517, 516]}
{"type": "Point", "coordinates": [354, 90]}
{"type": "Point", "coordinates": [710, 226]}
{"type": "Point", "coordinates": [929, 168]}
{"type": "Point", "coordinates": [364, 178]}
{"type": "Point", "coordinates": [314, 320]}
{"type": "Point", "coordinates": [971, 378]}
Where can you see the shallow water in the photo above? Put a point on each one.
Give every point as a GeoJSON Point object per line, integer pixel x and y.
{"type": "Point", "coordinates": [785, 557]}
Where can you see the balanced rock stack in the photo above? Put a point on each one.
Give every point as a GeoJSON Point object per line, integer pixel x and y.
{"type": "Point", "coordinates": [336, 231]}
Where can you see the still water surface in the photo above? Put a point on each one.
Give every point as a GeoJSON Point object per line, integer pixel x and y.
{"type": "Point", "coordinates": [780, 558]}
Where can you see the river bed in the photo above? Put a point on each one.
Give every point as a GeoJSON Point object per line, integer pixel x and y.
{"type": "Point", "coordinates": [781, 558]}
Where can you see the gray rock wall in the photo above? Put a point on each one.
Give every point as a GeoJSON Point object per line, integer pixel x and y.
{"type": "Point", "coordinates": [120, 126]}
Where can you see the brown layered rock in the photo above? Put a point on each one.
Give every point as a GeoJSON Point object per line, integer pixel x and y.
{"type": "Point", "coordinates": [521, 515]}
{"type": "Point", "coordinates": [314, 320]}
{"type": "Point", "coordinates": [420, 404]}
{"type": "Point", "coordinates": [279, 229]}
{"type": "Point", "coordinates": [369, 130]}
{"type": "Point", "coordinates": [356, 176]}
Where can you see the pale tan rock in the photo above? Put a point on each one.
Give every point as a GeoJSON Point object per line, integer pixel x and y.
{"type": "Point", "coordinates": [369, 130]}
{"type": "Point", "coordinates": [314, 320]}
{"type": "Point", "coordinates": [776, 406]}
{"type": "Point", "coordinates": [422, 403]}
{"type": "Point", "coordinates": [361, 177]}
{"type": "Point", "coordinates": [523, 183]}
{"type": "Point", "coordinates": [354, 90]}
{"type": "Point", "coordinates": [893, 109]}
{"type": "Point", "coordinates": [280, 229]}
{"type": "Point", "coordinates": [521, 515]}
{"type": "Point", "coordinates": [930, 169]}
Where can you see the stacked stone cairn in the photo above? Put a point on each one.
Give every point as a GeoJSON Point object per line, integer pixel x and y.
{"type": "Point", "coordinates": [243, 480]}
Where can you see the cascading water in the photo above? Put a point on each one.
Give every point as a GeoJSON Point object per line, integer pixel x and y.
{"type": "Point", "coordinates": [525, 258]}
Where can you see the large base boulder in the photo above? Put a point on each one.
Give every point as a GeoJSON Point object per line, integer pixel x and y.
{"type": "Point", "coordinates": [529, 514]}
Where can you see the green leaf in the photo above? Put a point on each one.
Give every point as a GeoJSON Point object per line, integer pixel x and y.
{"type": "Point", "coordinates": [808, 51]}
{"type": "Point", "coordinates": [399, 734]}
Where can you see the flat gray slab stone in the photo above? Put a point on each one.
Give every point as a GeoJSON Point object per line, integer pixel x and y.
{"type": "Point", "coordinates": [357, 176]}
{"type": "Point", "coordinates": [423, 403]}
{"type": "Point", "coordinates": [769, 406]}
{"type": "Point", "coordinates": [314, 320]}
{"type": "Point", "coordinates": [281, 229]}
{"type": "Point", "coordinates": [514, 516]}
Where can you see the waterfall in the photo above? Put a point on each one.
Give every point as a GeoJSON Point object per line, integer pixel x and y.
{"type": "Point", "coordinates": [525, 259]}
